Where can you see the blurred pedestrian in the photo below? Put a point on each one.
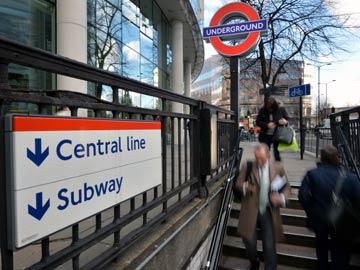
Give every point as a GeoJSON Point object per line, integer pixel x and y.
{"type": "Point", "coordinates": [269, 118]}
{"type": "Point", "coordinates": [315, 196]}
{"type": "Point", "coordinates": [263, 192]}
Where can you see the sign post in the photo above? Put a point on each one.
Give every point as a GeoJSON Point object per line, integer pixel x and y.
{"type": "Point", "coordinates": [249, 31]}
{"type": "Point", "coordinates": [64, 170]}
{"type": "Point", "coordinates": [300, 91]}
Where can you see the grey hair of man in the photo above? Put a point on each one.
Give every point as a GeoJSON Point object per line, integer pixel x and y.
{"type": "Point", "coordinates": [262, 153]}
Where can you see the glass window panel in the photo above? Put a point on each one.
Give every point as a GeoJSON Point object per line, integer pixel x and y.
{"type": "Point", "coordinates": [135, 99]}
{"type": "Point", "coordinates": [106, 93]}
{"type": "Point", "coordinates": [131, 63]}
{"type": "Point", "coordinates": [156, 76]}
{"type": "Point", "coordinates": [131, 11]}
{"type": "Point", "coordinates": [31, 23]}
{"type": "Point", "coordinates": [147, 71]}
{"type": "Point", "coordinates": [113, 62]}
{"type": "Point", "coordinates": [156, 22]}
{"type": "Point", "coordinates": [155, 55]}
{"type": "Point", "coordinates": [146, 46]}
{"type": "Point", "coordinates": [115, 2]}
{"type": "Point", "coordinates": [146, 17]}
{"type": "Point", "coordinates": [147, 102]}
{"type": "Point", "coordinates": [131, 35]}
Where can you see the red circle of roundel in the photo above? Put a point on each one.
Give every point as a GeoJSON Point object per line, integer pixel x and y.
{"type": "Point", "coordinates": [250, 40]}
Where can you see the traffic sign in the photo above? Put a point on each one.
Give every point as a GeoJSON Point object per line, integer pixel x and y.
{"type": "Point", "coordinates": [251, 29]}
{"type": "Point", "coordinates": [63, 170]}
{"type": "Point", "coordinates": [299, 91]}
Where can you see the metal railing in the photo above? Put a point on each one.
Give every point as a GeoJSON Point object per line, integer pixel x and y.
{"type": "Point", "coordinates": [315, 139]}
{"type": "Point", "coordinates": [345, 129]}
{"type": "Point", "coordinates": [123, 224]}
{"type": "Point", "coordinates": [224, 211]}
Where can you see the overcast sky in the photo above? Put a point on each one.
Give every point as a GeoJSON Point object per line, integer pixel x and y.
{"type": "Point", "coordinates": [345, 68]}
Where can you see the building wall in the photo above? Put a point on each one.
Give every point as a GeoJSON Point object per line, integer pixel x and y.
{"type": "Point", "coordinates": [216, 72]}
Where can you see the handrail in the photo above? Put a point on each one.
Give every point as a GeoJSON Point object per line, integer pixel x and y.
{"type": "Point", "coordinates": [224, 212]}
{"type": "Point", "coordinates": [345, 129]}
{"type": "Point", "coordinates": [348, 151]}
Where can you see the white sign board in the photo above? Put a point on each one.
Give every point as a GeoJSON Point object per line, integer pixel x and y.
{"type": "Point", "coordinates": [63, 170]}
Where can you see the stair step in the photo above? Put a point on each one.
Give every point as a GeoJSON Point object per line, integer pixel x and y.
{"type": "Point", "coordinates": [295, 185]}
{"type": "Point", "coordinates": [236, 263]}
{"type": "Point", "coordinates": [294, 217]}
{"type": "Point", "coordinates": [297, 236]}
{"type": "Point", "coordinates": [294, 256]}
{"type": "Point", "coordinates": [292, 204]}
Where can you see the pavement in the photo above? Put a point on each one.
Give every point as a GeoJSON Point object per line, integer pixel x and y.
{"type": "Point", "coordinates": [295, 167]}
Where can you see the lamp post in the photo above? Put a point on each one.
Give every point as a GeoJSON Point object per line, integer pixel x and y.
{"type": "Point", "coordinates": [326, 84]}
{"type": "Point", "coordinates": [318, 98]}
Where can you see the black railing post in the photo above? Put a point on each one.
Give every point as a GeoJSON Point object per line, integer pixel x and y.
{"type": "Point", "coordinates": [195, 143]}
{"type": "Point", "coordinates": [7, 256]}
{"type": "Point", "coordinates": [345, 125]}
{"type": "Point", "coordinates": [317, 134]}
{"type": "Point", "coordinates": [234, 95]}
{"type": "Point", "coordinates": [164, 153]}
{"type": "Point", "coordinates": [4, 74]}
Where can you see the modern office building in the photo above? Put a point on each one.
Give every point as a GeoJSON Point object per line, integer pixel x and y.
{"type": "Point", "coordinates": [213, 86]}
{"type": "Point", "coordinates": [155, 42]}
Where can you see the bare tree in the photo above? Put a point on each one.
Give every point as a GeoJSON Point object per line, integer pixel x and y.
{"type": "Point", "coordinates": [104, 47]}
{"type": "Point", "coordinates": [297, 30]}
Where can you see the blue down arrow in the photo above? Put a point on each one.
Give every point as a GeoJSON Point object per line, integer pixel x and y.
{"type": "Point", "coordinates": [40, 209]}
{"type": "Point", "coordinates": [38, 157]}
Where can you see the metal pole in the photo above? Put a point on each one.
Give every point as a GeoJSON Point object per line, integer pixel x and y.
{"type": "Point", "coordinates": [234, 94]}
{"type": "Point", "coordinates": [326, 97]}
{"type": "Point", "coordinates": [318, 112]}
{"type": "Point", "coordinates": [301, 125]}
{"type": "Point", "coordinates": [302, 148]}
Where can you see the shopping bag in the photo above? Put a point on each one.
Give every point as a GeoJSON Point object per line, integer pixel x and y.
{"type": "Point", "coordinates": [291, 147]}
{"type": "Point", "coordinates": [284, 134]}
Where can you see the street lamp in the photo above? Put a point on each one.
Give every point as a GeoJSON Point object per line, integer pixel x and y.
{"type": "Point", "coordinates": [318, 101]}
{"type": "Point", "coordinates": [326, 85]}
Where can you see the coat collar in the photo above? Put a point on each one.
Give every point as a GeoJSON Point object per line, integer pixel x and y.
{"type": "Point", "coordinates": [271, 171]}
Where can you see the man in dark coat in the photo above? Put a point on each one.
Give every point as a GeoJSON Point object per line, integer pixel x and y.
{"type": "Point", "coordinates": [315, 196]}
{"type": "Point", "coordinates": [269, 118]}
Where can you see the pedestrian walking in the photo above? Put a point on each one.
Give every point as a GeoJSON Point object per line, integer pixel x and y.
{"type": "Point", "coordinates": [269, 118]}
{"type": "Point", "coordinates": [264, 189]}
{"type": "Point", "coordinates": [315, 195]}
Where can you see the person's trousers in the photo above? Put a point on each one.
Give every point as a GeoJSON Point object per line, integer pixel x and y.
{"type": "Point", "coordinates": [268, 240]}
{"type": "Point", "coordinates": [268, 139]}
{"type": "Point", "coordinates": [340, 254]}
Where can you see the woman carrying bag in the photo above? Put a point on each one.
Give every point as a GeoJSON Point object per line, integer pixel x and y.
{"type": "Point", "coordinates": [269, 118]}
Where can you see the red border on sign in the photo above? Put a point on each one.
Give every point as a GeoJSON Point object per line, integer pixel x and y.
{"type": "Point", "coordinates": [250, 40]}
{"type": "Point", "coordinates": [29, 123]}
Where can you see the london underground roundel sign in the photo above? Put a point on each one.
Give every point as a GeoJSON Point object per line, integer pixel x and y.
{"type": "Point", "coordinates": [249, 31]}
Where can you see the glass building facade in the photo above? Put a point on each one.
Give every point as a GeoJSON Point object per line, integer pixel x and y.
{"type": "Point", "coordinates": [131, 38]}
{"type": "Point", "coordinates": [128, 37]}
{"type": "Point", "coordinates": [31, 22]}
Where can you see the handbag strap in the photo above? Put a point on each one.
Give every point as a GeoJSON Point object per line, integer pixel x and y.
{"type": "Point", "coordinates": [339, 182]}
